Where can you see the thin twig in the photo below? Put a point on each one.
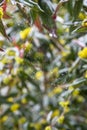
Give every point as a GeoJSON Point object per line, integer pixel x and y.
{"type": "Point", "coordinates": [58, 7]}
{"type": "Point", "coordinates": [74, 64]}
{"type": "Point", "coordinates": [57, 44]}
{"type": "Point", "coordinates": [23, 12]}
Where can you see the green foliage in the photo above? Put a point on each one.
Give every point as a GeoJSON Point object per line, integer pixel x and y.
{"type": "Point", "coordinates": [43, 65]}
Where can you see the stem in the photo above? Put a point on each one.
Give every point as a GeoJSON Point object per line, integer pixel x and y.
{"type": "Point", "coordinates": [58, 7]}
{"type": "Point", "coordinates": [23, 12]}
{"type": "Point", "coordinates": [57, 44]}
{"type": "Point", "coordinates": [74, 64]}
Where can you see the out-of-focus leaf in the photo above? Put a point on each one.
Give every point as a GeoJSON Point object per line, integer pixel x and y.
{"type": "Point", "coordinates": [78, 81]}
{"type": "Point", "coordinates": [30, 3]}
{"type": "Point", "coordinates": [70, 6]}
{"type": "Point", "coordinates": [49, 116]}
{"type": "Point", "coordinates": [47, 6]}
{"type": "Point", "coordinates": [54, 120]}
{"type": "Point", "coordinates": [77, 8]}
{"type": "Point", "coordinates": [2, 30]}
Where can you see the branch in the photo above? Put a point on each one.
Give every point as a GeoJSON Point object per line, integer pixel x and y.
{"type": "Point", "coordinates": [58, 7]}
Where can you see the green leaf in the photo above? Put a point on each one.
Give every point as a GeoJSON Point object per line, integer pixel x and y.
{"type": "Point", "coordinates": [78, 81]}
{"type": "Point", "coordinates": [47, 6]}
{"type": "Point", "coordinates": [70, 7]}
{"type": "Point", "coordinates": [77, 8]}
{"type": "Point", "coordinates": [2, 30]}
{"type": "Point", "coordinates": [30, 3]}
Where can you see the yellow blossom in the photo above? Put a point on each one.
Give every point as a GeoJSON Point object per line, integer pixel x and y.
{"type": "Point", "coordinates": [64, 54]}
{"type": "Point", "coordinates": [83, 53]}
{"type": "Point", "coordinates": [75, 92]}
{"type": "Point", "coordinates": [56, 90]}
{"type": "Point", "coordinates": [66, 109]}
{"type": "Point", "coordinates": [71, 88]}
{"type": "Point", "coordinates": [64, 103]}
{"type": "Point", "coordinates": [22, 120]}
{"type": "Point", "coordinates": [24, 101]}
{"type": "Point", "coordinates": [1, 13]}
{"type": "Point", "coordinates": [55, 113]}
{"type": "Point", "coordinates": [1, 72]}
{"type": "Point", "coordinates": [28, 46]}
{"type": "Point", "coordinates": [7, 0]}
{"type": "Point", "coordinates": [62, 41]}
{"type": "Point", "coordinates": [11, 53]}
{"type": "Point", "coordinates": [7, 79]}
{"type": "Point", "coordinates": [37, 126]}
{"type": "Point", "coordinates": [85, 74]}
{"type": "Point", "coordinates": [80, 98]}
{"type": "Point", "coordinates": [38, 75]}
{"type": "Point", "coordinates": [15, 107]}
{"type": "Point", "coordinates": [48, 128]}
{"type": "Point", "coordinates": [4, 118]}
{"type": "Point", "coordinates": [43, 121]}
{"type": "Point", "coordinates": [55, 71]}
{"type": "Point", "coordinates": [82, 16]}
{"type": "Point", "coordinates": [19, 60]}
{"type": "Point", "coordinates": [84, 23]}
{"type": "Point", "coordinates": [10, 99]}
{"type": "Point", "coordinates": [60, 119]}
{"type": "Point", "coordinates": [67, 30]}
{"type": "Point", "coordinates": [6, 60]}
{"type": "Point", "coordinates": [24, 34]}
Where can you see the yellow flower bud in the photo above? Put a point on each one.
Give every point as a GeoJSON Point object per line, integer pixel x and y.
{"type": "Point", "coordinates": [75, 92]}
{"type": "Point", "coordinates": [10, 99]}
{"type": "Point", "coordinates": [4, 118]}
{"type": "Point", "coordinates": [85, 74]}
{"type": "Point", "coordinates": [38, 75]}
{"type": "Point", "coordinates": [66, 109]}
{"type": "Point", "coordinates": [22, 120]}
{"type": "Point", "coordinates": [1, 13]}
{"type": "Point", "coordinates": [84, 23]}
{"type": "Point", "coordinates": [80, 99]}
{"type": "Point", "coordinates": [60, 119]}
{"type": "Point", "coordinates": [7, 79]}
{"type": "Point", "coordinates": [24, 101]}
{"type": "Point", "coordinates": [19, 60]}
{"type": "Point", "coordinates": [64, 103]}
{"type": "Point", "coordinates": [82, 16]}
{"type": "Point", "coordinates": [15, 107]}
{"type": "Point", "coordinates": [48, 128]}
{"type": "Point", "coordinates": [71, 88]}
{"type": "Point", "coordinates": [24, 34]}
{"type": "Point", "coordinates": [54, 72]}
{"type": "Point", "coordinates": [57, 90]}
{"type": "Point", "coordinates": [7, 0]}
{"type": "Point", "coordinates": [56, 113]}
{"type": "Point", "coordinates": [28, 46]}
{"type": "Point", "coordinates": [83, 53]}
{"type": "Point", "coordinates": [11, 53]}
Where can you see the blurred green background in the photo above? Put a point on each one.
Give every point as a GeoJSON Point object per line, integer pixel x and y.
{"type": "Point", "coordinates": [43, 65]}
